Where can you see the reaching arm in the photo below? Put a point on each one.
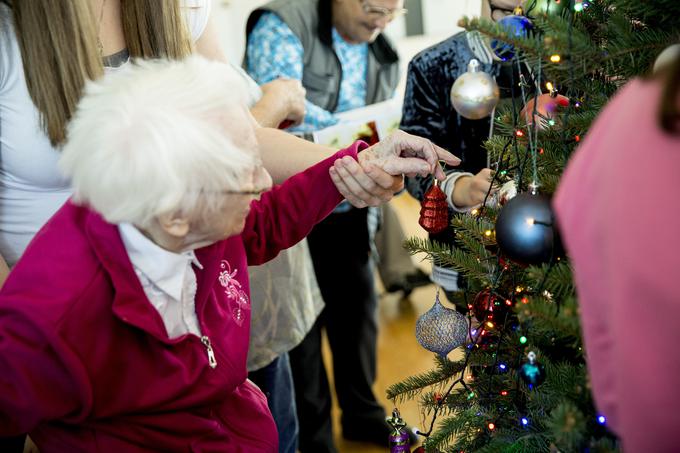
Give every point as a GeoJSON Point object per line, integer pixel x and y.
{"type": "Point", "coordinates": [285, 155]}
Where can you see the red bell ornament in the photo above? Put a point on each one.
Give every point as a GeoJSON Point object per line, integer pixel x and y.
{"type": "Point", "coordinates": [434, 210]}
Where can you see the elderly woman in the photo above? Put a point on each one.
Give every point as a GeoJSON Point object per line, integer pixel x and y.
{"type": "Point", "coordinates": [124, 326]}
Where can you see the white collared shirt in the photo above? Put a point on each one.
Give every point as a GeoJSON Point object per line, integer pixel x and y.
{"type": "Point", "coordinates": [167, 278]}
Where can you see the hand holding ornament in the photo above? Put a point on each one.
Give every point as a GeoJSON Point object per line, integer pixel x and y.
{"type": "Point", "coordinates": [404, 154]}
{"type": "Point", "coordinates": [471, 191]}
{"type": "Point", "coordinates": [378, 174]}
{"type": "Point", "coordinates": [364, 186]}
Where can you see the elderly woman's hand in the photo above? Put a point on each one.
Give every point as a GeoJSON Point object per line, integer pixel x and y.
{"type": "Point", "coordinates": [379, 173]}
{"type": "Point", "coordinates": [404, 154]}
{"type": "Point", "coordinates": [364, 186]}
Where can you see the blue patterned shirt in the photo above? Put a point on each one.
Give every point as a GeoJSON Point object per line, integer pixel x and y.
{"type": "Point", "coordinates": [274, 51]}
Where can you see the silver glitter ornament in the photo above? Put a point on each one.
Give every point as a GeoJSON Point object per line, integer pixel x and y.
{"type": "Point", "coordinates": [441, 329]}
{"type": "Point", "coordinates": [475, 94]}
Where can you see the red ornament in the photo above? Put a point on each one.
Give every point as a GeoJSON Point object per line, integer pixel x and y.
{"type": "Point", "coordinates": [485, 306]}
{"type": "Point", "coordinates": [434, 210]}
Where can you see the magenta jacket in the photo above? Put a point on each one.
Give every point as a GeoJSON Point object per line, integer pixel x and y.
{"type": "Point", "coordinates": [85, 361]}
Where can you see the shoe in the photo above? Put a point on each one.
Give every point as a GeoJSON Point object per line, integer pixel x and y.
{"type": "Point", "coordinates": [410, 282]}
{"type": "Point", "coordinates": [375, 432]}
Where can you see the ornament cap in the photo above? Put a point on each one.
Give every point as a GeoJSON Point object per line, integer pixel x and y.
{"type": "Point", "coordinates": [473, 65]}
{"type": "Point", "coordinates": [532, 357]}
{"type": "Point", "coordinates": [395, 421]}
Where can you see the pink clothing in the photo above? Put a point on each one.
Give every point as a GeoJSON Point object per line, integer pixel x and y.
{"type": "Point", "coordinates": [86, 363]}
{"type": "Point", "coordinates": [617, 207]}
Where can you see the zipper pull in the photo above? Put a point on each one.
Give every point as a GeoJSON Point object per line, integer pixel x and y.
{"type": "Point", "coordinates": [211, 354]}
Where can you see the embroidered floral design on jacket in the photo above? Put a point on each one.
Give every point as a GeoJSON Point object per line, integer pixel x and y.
{"type": "Point", "coordinates": [238, 300]}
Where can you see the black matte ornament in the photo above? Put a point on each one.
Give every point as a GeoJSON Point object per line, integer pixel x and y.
{"type": "Point", "coordinates": [525, 230]}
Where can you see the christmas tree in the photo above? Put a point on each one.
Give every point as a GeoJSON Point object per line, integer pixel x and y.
{"type": "Point", "coordinates": [521, 383]}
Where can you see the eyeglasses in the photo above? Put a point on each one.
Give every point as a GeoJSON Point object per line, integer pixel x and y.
{"type": "Point", "coordinates": [380, 12]}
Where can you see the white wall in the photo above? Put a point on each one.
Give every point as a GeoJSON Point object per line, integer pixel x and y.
{"type": "Point", "coordinates": [230, 19]}
{"type": "Point", "coordinates": [441, 16]}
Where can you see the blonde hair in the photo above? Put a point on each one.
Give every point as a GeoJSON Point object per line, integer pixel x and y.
{"type": "Point", "coordinates": [58, 41]}
{"type": "Point", "coordinates": [160, 137]}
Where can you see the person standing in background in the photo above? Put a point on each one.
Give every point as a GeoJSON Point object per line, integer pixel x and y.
{"type": "Point", "coordinates": [337, 50]}
{"type": "Point", "coordinates": [428, 112]}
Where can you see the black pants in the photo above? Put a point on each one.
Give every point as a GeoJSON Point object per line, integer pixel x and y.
{"type": "Point", "coordinates": [340, 251]}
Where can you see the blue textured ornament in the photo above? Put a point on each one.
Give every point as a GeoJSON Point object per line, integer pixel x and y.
{"type": "Point", "coordinates": [514, 25]}
{"type": "Point", "coordinates": [441, 329]}
{"type": "Point", "coordinates": [525, 230]}
{"type": "Point", "coordinates": [532, 372]}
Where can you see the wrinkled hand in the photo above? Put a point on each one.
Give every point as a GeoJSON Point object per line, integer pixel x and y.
{"type": "Point", "coordinates": [404, 154]}
{"type": "Point", "coordinates": [472, 190]}
{"type": "Point", "coordinates": [546, 106]}
{"type": "Point", "coordinates": [290, 95]}
{"type": "Point", "coordinates": [364, 186]}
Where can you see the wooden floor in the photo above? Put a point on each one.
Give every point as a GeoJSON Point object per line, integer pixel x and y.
{"type": "Point", "coordinates": [399, 354]}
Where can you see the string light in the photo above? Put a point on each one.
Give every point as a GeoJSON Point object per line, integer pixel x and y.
{"type": "Point", "coordinates": [577, 138]}
{"type": "Point", "coordinates": [492, 426]}
{"type": "Point", "coordinates": [508, 302]}
{"type": "Point", "coordinates": [502, 366]}
{"type": "Point", "coordinates": [487, 233]}
{"type": "Point", "coordinates": [489, 325]}
{"type": "Point", "coordinates": [601, 419]}
{"type": "Point", "coordinates": [530, 221]}
{"type": "Point", "coordinates": [523, 339]}
{"type": "Point", "coordinates": [519, 133]}
{"type": "Point", "coordinates": [525, 421]}
{"type": "Point", "coordinates": [525, 300]}
{"type": "Point", "coordinates": [541, 151]}
{"type": "Point", "coordinates": [578, 6]}
{"type": "Point", "coordinates": [549, 86]}
{"type": "Point", "coordinates": [504, 393]}
{"type": "Point", "coordinates": [471, 395]}
{"type": "Point", "coordinates": [474, 211]}
{"type": "Point", "coordinates": [555, 58]}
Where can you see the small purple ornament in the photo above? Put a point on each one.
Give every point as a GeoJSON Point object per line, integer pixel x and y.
{"type": "Point", "coordinates": [399, 441]}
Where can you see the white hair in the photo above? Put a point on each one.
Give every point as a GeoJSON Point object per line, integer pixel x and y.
{"type": "Point", "coordinates": [153, 139]}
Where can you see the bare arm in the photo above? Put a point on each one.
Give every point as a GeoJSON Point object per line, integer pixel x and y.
{"type": "Point", "coordinates": [284, 154]}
